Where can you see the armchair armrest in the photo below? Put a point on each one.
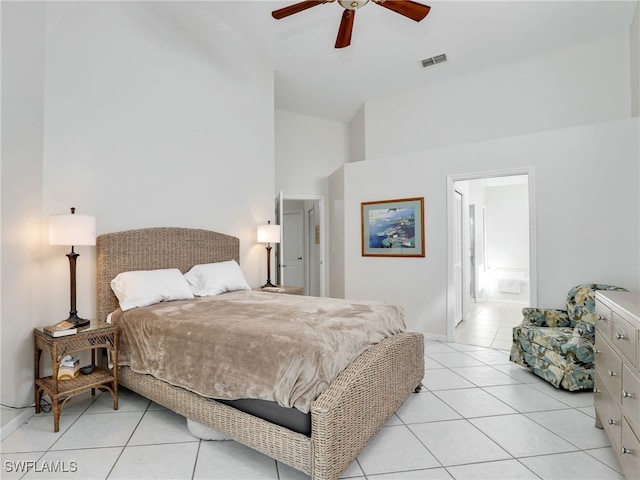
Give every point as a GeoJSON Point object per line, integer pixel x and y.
{"type": "Point", "coordinates": [545, 317]}
{"type": "Point", "coordinates": [580, 345]}
{"type": "Point", "coordinates": [585, 329]}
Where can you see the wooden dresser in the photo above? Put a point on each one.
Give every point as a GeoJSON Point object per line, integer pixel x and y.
{"type": "Point", "coordinates": [617, 378]}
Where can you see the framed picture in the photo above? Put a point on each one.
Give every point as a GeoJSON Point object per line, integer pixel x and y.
{"type": "Point", "coordinates": [393, 228]}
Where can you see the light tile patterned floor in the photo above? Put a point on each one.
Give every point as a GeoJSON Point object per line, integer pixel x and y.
{"type": "Point", "coordinates": [489, 324]}
{"type": "Point", "coordinates": [478, 417]}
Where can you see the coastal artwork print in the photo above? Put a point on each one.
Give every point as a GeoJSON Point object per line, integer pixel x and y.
{"type": "Point", "coordinates": [393, 228]}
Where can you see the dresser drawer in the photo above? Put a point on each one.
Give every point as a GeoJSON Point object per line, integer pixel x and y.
{"type": "Point", "coordinates": [625, 338]}
{"type": "Point", "coordinates": [603, 319]}
{"type": "Point", "coordinates": [610, 416]}
{"type": "Point", "coordinates": [631, 398]}
{"type": "Point", "coordinates": [609, 366]}
{"type": "Point", "coordinates": [629, 452]}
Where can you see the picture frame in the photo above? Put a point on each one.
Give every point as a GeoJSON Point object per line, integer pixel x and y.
{"type": "Point", "coordinates": [393, 228]}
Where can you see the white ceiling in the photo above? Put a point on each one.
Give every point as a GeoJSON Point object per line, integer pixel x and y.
{"type": "Point", "coordinates": [314, 78]}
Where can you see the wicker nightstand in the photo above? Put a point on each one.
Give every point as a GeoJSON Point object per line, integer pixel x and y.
{"type": "Point", "coordinates": [97, 335]}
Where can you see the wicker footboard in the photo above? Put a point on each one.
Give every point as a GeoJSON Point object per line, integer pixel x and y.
{"type": "Point", "coordinates": [343, 419]}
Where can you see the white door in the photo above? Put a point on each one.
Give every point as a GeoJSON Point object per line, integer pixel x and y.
{"type": "Point", "coordinates": [279, 246]}
{"type": "Point", "coordinates": [293, 238]}
{"type": "Point", "coordinates": [313, 257]}
{"type": "Point", "coordinates": [457, 257]}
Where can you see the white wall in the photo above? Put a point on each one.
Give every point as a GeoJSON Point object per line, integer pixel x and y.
{"type": "Point", "coordinates": [507, 228]}
{"type": "Point", "coordinates": [634, 46]}
{"type": "Point", "coordinates": [583, 175]}
{"type": "Point", "coordinates": [634, 42]}
{"type": "Point", "coordinates": [145, 124]}
{"type": "Point", "coordinates": [22, 244]}
{"type": "Point", "coordinates": [308, 149]}
{"type": "Point", "coordinates": [357, 137]}
{"type": "Point", "coordinates": [336, 235]}
{"type": "Point", "coordinates": [508, 241]}
{"type": "Point", "coordinates": [545, 92]}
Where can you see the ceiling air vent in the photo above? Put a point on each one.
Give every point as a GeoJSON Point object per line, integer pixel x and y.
{"type": "Point", "coordinates": [427, 62]}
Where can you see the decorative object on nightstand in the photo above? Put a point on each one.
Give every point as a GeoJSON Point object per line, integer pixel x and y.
{"type": "Point", "coordinates": [97, 337]}
{"type": "Point", "coordinates": [74, 230]}
{"type": "Point", "coordinates": [69, 368]}
{"type": "Point", "coordinates": [61, 329]}
{"type": "Point", "coordinates": [268, 234]}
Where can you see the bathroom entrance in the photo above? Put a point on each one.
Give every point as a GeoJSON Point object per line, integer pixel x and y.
{"type": "Point", "coordinates": [492, 256]}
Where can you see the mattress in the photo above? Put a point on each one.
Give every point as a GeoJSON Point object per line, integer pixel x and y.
{"type": "Point", "coordinates": [253, 345]}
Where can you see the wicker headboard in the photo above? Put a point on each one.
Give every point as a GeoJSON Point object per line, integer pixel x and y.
{"type": "Point", "coordinates": [156, 248]}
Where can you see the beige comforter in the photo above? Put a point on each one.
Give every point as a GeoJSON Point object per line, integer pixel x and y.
{"type": "Point", "coordinates": [246, 344]}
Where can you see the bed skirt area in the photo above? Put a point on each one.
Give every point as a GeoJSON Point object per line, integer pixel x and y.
{"type": "Point", "coordinates": [344, 418]}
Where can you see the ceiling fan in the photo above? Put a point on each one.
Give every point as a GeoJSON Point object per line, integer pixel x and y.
{"type": "Point", "coordinates": [413, 10]}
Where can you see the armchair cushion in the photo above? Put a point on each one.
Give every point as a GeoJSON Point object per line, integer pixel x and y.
{"type": "Point", "coordinates": [543, 317]}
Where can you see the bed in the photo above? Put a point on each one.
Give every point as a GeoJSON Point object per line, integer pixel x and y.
{"type": "Point", "coordinates": [343, 418]}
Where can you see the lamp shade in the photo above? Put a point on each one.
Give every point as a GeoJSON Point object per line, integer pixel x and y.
{"type": "Point", "coordinates": [72, 230]}
{"type": "Point", "coordinates": [269, 233]}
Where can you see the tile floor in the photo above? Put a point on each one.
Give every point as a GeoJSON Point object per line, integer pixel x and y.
{"type": "Point", "coordinates": [478, 417]}
{"type": "Point", "coordinates": [489, 324]}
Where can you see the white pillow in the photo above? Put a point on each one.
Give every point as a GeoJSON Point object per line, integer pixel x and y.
{"type": "Point", "coordinates": [146, 287]}
{"type": "Point", "coordinates": [216, 278]}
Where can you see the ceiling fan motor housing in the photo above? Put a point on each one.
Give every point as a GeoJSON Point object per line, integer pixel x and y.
{"type": "Point", "coordinates": [353, 4]}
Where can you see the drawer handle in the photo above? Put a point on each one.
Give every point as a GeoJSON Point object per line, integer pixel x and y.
{"type": "Point", "coordinates": [620, 336]}
{"type": "Point", "coordinates": [612, 373]}
{"type": "Point", "coordinates": [612, 422]}
{"type": "Point", "coordinates": [626, 394]}
{"type": "Point", "coordinates": [596, 390]}
{"type": "Point", "coordinates": [603, 318]}
{"type": "Point", "coordinates": [625, 450]}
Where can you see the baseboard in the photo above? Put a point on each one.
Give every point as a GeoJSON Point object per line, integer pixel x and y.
{"type": "Point", "coordinates": [15, 422]}
{"type": "Point", "coordinates": [434, 337]}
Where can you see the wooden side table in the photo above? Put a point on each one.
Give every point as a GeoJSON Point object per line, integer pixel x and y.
{"type": "Point", "coordinates": [288, 289]}
{"type": "Point", "coordinates": [98, 335]}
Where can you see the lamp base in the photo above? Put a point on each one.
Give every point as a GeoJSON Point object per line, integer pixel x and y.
{"type": "Point", "coordinates": [268, 284]}
{"type": "Point", "coordinates": [77, 321]}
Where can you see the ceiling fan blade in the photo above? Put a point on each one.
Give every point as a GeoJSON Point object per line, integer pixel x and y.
{"type": "Point", "coordinates": [346, 27]}
{"type": "Point", "coordinates": [295, 8]}
{"type": "Point", "coordinates": [413, 10]}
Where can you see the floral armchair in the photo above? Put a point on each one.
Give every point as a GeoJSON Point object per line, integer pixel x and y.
{"type": "Point", "coordinates": [557, 345]}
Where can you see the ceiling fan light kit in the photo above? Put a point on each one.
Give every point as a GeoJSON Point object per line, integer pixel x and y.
{"type": "Point", "coordinates": [407, 8]}
{"type": "Point", "coordinates": [352, 4]}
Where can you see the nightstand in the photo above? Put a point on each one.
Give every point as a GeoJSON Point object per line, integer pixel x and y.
{"type": "Point", "coordinates": [288, 289]}
{"type": "Point", "coordinates": [97, 336]}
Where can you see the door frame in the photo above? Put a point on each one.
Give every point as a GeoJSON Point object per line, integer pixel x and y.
{"type": "Point", "coordinates": [533, 269]}
{"type": "Point", "coordinates": [323, 230]}
{"type": "Point", "coordinates": [459, 237]}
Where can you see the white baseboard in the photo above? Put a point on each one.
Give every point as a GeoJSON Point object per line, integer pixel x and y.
{"type": "Point", "coordinates": [15, 422]}
{"type": "Point", "coordinates": [433, 336]}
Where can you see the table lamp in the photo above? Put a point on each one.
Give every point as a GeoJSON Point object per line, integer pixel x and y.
{"type": "Point", "coordinates": [74, 230]}
{"type": "Point", "coordinates": [268, 234]}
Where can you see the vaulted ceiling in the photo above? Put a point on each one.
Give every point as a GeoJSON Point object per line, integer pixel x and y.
{"type": "Point", "coordinates": [314, 78]}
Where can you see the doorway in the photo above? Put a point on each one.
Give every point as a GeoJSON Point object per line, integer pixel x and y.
{"type": "Point", "coordinates": [300, 254]}
{"type": "Point", "coordinates": [493, 215]}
